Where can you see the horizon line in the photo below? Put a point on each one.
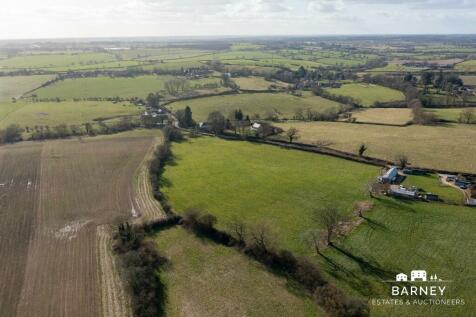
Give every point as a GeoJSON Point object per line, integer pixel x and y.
{"type": "Point", "coordinates": [231, 36]}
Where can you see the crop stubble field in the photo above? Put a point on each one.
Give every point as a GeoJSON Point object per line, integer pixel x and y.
{"type": "Point", "coordinates": [53, 197]}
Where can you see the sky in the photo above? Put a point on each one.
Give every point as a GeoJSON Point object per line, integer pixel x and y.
{"type": "Point", "coordinates": [28, 19]}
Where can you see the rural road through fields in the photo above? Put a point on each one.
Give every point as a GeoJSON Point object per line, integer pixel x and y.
{"type": "Point", "coordinates": [58, 208]}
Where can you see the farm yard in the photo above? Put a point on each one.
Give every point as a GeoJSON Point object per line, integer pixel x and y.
{"type": "Point", "coordinates": [259, 105]}
{"type": "Point", "coordinates": [50, 216]}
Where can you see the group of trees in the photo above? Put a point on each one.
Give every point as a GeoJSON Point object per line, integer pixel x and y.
{"type": "Point", "coordinates": [140, 261]}
{"type": "Point", "coordinates": [184, 117]}
{"type": "Point", "coordinates": [11, 134]}
{"type": "Point", "coordinates": [176, 86]}
{"type": "Point", "coordinates": [420, 115]}
{"type": "Point", "coordinates": [309, 114]}
{"type": "Point", "coordinates": [467, 116]}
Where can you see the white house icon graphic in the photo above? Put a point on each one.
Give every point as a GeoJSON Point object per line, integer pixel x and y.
{"type": "Point", "coordinates": [418, 275]}
{"type": "Point", "coordinates": [401, 277]}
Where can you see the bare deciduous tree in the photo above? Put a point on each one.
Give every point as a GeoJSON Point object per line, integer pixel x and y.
{"type": "Point", "coordinates": [467, 116]}
{"type": "Point", "coordinates": [328, 217]}
{"type": "Point", "coordinates": [313, 239]}
{"type": "Point", "coordinates": [292, 134]}
{"type": "Point", "coordinates": [238, 229]}
{"type": "Point", "coordinates": [262, 236]}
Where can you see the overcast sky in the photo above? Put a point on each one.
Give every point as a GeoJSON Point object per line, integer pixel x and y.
{"type": "Point", "coordinates": [106, 18]}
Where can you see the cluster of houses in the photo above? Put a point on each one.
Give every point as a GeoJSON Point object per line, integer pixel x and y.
{"type": "Point", "coordinates": [155, 116]}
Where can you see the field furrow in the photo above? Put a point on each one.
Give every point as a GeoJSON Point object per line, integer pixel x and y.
{"type": "Point", "coordinates": [147, 207]}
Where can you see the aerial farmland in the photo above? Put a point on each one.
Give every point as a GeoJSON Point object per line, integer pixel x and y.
{"type": "Point", "coordinates": [274, 176]}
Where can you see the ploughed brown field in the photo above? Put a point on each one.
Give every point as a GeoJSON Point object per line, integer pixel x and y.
{"type": "Point", "coordinates": [58, 201]}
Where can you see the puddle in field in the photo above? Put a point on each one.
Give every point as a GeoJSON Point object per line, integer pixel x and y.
{"type": "Point", "coordinates": [71, 230]}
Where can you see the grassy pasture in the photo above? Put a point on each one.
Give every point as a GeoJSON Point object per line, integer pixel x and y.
{"type": "Point", "coordinates": [55, 60]}
{"type": "Point", "coordinates": [284, 186]}
{"type": "Point", "coordinates": [383, 115]}
{"type": "Point", "coordinates": [449, 114]}
{"type": "Point", "coordinates": [400, 236]}
{"type": "Point", "coordinates": [469, 80]}
{"type": "Point", "coordinates": [56, 193]}
{"type": "Point", "coordinates": [205, 279]}
{"type": "Point", "coordinates": [448, 147]}
{"type": "Point", "coordinates": [124, 87]}
{"type": "Point", "coordinates": [55, 113]}
{"type": "Point", "coordinates": [368, 94]}
{"type": "Point", "coordinates": [256, 83]}
{"type": "Point", "coordinates": [261, 182]}
{"type": "Point", "coordinates": [283, 104]}
{"type": "Point", "coordinates": [14, 87]}
{"type": "Point", "coordinates": [467, 66]}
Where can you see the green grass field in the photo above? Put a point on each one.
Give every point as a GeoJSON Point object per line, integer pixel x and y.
{"type": "Point", "coordinates": [395, 116]}
{"type": "Point", "coordinates": [42, 61]}
{"type": "Point", "coordinates": [469, 80]}
{"type": "Point", "coordinates": [284, 186]}
{"type": "Point", "coordinates": [54, 113]}
{"type": "Point", "coordinates": [467, 66]}
{"type": "Point", "coordinates": [262, 182]}
{"type": "Point", "coordinates": [368, 94]}
{"type": "Point", "coordinates": [205, 279]}
{"type": "Point", "coordinates": [448, 147]}
{"type": "Point", "coordinates": [448, 114]}
{"type": "Point", "coordinates": [256, 83]}
{"type": "Point", "coordinates": [124, 87]}
{"type": "Point", "coordinates": [284, 105]}
{"type": "Point", "coordinates": [14, 87]}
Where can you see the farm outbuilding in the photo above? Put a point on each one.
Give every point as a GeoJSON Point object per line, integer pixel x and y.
{"type": "Point", "coordinates": [390, 176]}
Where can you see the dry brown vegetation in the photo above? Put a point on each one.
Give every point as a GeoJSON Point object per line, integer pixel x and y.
{"type": "Point", "coordinates": [53, 197]}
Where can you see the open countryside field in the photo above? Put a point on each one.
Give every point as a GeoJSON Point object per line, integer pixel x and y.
{"type": "Point", "coordinates": [205, 279]}
{"type": "Point", "coordinates": [441, 147]}
{"type": "Point", "coordinates": [45, 61]}
{"type": "Point", "coordinates": [54, 113]}
{"type": "Point", "coordinates": [467, 66]}
{"type": "Point", "coordinates": [469, 80]}
{"type": "Point", "coordinates": [125, 87]}
{"type": "Point", "coordinates": [282, 104]}
{"type": "Point", "coordinates": [256, 83]}
{"type": "Point", "coordinates": [50, 213]}
{"type": "Point", "coordinates": [257, 182]}
{"type": "Point", "coordinates": [448, 114]}
{"type": "Point", "coordinates": [394, 116]}
{"type": "Point", "coordinates": [368, 94]}
{"type": "Point", "coordinates": [15, 87]}
{"type": "Point", "coordinates": [282, 187]}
